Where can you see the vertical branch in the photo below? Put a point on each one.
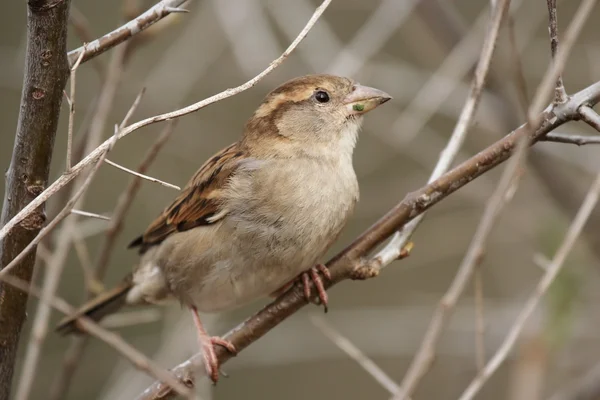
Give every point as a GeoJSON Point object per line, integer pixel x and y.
{"type": "Point", "coordinates": [45, 76]}
{"type": "Point", "coordinates": [560, 95]}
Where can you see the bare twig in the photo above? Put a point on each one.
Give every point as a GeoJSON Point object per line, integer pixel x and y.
{"type": "Point", "coordinates": [138, 359]}
{"type": "Point", "coordinates": [71, 101]}
{"type": "Point", "coordinates": [131, 28]}
{"type": "Point", "coordinates": [94, 155]}
{"type": "Point", "coordinates": [81, 27]}
{"type": "Point", "coordinates": [479, 317]}
{"type": "Point", "coordinates": [393, 249]}
{"type": "Point", "coordinates": [90, 214]}
{"type": "Point", "coordinates": [146, 177]}
{"type": "Point", "coordinates": [129, 318]}
{"type": "Point", "coordinates": [579, 140]}
{"type": "Point", "coordinates": [354, 352]}
{"type": "Point", "coordinates": [553, 269]}
{"type": "Point", "coordinates": [83, 256]}
{"type": "Point", "coordinates": [586, 387]}
{"type": "Point", "coordinates": [560, 95]}
{"type": "Point", "coordinates": [590, 117]}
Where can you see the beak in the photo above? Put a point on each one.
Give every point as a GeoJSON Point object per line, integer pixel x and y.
{"type": "Point", "coordinates": [364, 99]}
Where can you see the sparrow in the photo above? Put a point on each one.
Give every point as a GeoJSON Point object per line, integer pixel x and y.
{"type": "Point", "coordinates": [258, 215]}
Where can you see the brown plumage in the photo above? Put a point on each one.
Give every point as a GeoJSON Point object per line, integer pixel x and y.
{"type": "Point", "coordinates": [257, 214]}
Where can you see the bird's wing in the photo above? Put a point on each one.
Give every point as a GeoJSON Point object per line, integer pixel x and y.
{"type": "Point", "coordinates": [199, 203]}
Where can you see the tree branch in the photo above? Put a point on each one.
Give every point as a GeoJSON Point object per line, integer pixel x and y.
{"type": "Point", "coordinates": [45, 76]}
{"type": "Point", "coordinates": [560, 95]}
{"type": "Point", "coordinates": [579, 140]}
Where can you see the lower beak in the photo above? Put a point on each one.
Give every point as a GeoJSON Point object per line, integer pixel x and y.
{"type": "Point", "coordinates": [364, 99]}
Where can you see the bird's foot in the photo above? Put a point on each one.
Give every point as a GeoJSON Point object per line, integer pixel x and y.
{"type": "Point", "coordinates": [207, 347]}
{"type": "Point", "coordinates": [313, 274]}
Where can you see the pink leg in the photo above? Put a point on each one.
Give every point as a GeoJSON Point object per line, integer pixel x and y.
{"type": "Point", "coordinates": [207, 344]}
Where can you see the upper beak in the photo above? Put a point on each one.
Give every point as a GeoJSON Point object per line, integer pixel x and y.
{"type": "Point", "coordinates": [364, 99]}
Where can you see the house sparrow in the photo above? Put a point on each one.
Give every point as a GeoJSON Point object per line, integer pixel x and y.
{"type": "Point", "coordinates": [257, 214]}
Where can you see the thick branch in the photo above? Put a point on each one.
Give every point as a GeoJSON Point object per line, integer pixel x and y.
{"type": "Point", "coordinates": [46, 71]}
{"type": "Point", "coordinates": [344, 265]}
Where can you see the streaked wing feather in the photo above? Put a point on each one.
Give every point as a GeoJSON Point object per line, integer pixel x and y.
{"type": "Point", "coordinates": [199, 201]}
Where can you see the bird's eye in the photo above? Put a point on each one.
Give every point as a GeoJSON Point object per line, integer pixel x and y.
{"type": "Point", "coordinates": [322, 97]}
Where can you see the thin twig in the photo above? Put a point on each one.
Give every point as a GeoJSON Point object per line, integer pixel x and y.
{"type": "Point", "coordinates": [393, 249]}
{"type": "Point", "coordinates": [83, 256]}
{"type": "Point", "coordinates": [560, 94]}
{"type": "Point", "coordinates": [130, 318]}
{"type": "Point", "coordinates": [131, 28]}
{"type": "Point", "coordinates": [552, 271]}
{"type": "Point", "coordinates": [479, 317]}
{"type": "Point", "coordinates": [94, 155]}
{"type": "Point", "coordinates": [579, 140]}
{"type": "Point", "coordinates": [590, 117]}
{"type": "Point", "coordinates": [354, 353]}
{"type": "Point", "coordinates": [90, 214]}
{"type": "Point", "coordinates": [71, 102]}
{"type": "Point", "coordinates": [137, 358]}
{"type": "Point", "coordinates": [81, 27]}
{"type": "Point", "coordinates": [146, 177]}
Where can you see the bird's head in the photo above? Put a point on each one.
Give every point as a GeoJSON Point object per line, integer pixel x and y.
{"type": "Point", "coordinates": [320, 110]}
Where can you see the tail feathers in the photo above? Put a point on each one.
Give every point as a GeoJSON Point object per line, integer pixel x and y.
{"type": "Point", "coordinates": [97, 308]}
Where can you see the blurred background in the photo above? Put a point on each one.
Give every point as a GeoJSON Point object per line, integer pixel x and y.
{"type": "Point", "coordinates": [422, 53]}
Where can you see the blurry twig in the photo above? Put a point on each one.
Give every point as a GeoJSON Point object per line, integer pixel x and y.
{"type": "Point", "coordinates": [560, 95]}
{"type": "Point", "coordinates": [479, 317]}
{"type": "Point", "coordinates": [129, 318]}
{"type": "Point", "coordinates": [90, 214]}
{"type": "Point", "coordinates": [71, 102]}
{"type": "Point", "coordinates": [94, 155]}
{"type": "Point", "coordinates": [133, 27]}
{"type": "Point", "coordinates": [586, 387]}
{"type": "Point", "coordinates": [81, 26]}
{"type": "Point", "coordinates": [552, 271]}
{"type": "Point", "coordinates": [146, 177]}
{"type": "Point", "coordinates": [354, 352]}
{"type": "Point", "coordinates": [590, 117]}
{"type": "Point", "coordinates": [579, 140]}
